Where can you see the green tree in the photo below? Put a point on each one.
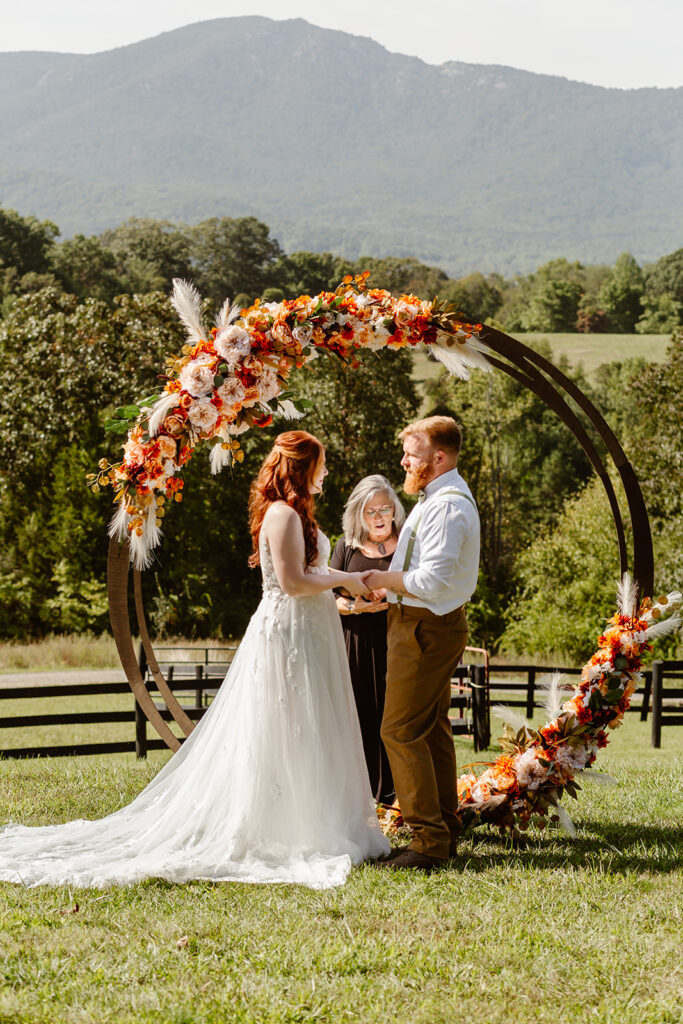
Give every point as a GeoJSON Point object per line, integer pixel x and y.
{"type": "Point", "coordinates": [665, 277]}
{"type": "Point", "coordinates": [87, 269]}
{"type": "Point", "coordinates": [621, 296]}
{"type": "Point", "coordinates": [149, 253]}
{"type": "Point", "coordinates": [521, 463]}
{"type": "Point", "coordinates": [478, 296]}
{"type": "Point", "coordinates": [25, 242]}
{"type": "Point", "coordinates": [309, 273]}
{"type": "Point", "coordinates": [229, 256]}
{"type": "Point", "coordinates": [357, 412]}
{"type": "Point", "coordinates": [568, 577]}
{"type": "Point", "coordinates": [403, 274]}
{"type": "Point", "coordinates": [662, 314]}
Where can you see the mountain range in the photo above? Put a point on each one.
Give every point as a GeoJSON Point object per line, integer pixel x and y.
{"type": "Point", "coordinates": [340, 145]}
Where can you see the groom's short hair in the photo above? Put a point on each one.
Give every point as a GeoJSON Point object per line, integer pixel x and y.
{"type": "Point", "coordinates": [442, 432]}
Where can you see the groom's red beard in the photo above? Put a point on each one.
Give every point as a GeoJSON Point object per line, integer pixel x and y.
{"type": "Point", "coordinates": [417, 479]}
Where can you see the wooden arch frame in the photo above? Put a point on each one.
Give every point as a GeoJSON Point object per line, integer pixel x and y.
{"type": "Point", "coordinates": [521, 363]}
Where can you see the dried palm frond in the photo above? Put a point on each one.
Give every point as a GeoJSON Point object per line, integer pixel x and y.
{"type": "Point", "coordinates": [187, 303]}
{"type": "Point", "coordinates": [460, 356]}
{"type": "Point", "coordinates": [627, 595]}
{"type": "Point", "coordinates": [160, 410]}
{"type": "Point", "coordinates": [512, 717]}
{"type": "Point", "coordinates": [554, 690]}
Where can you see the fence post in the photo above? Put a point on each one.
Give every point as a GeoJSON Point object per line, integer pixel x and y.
{"type": "Point", "coordinates": [140, 717]}
{"type": "Point", "coordinates": [480, 709]}
{"type": "Point", "coordinates": [656, 704]}
{"type": "Point", "coordinates": [198, 693]}
{"type": "Point", "coordinates": [530, 688]}
{"type": "Point", "coordinates": [645, 707]}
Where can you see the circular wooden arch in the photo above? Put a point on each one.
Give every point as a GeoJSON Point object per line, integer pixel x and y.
{"type": "Point", "coordinates": [521, 363]}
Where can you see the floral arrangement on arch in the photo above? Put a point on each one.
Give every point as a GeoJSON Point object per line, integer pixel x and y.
{"type": "Point", "coordinates": [234, 377]}
{"type": "Point", "coordinates": [525, 784]}
{"type": "Point", "coordinates": [537, 766]}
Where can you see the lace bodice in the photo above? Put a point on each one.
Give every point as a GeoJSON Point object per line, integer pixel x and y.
{"type": "Point", "coordinates": [270, 581]}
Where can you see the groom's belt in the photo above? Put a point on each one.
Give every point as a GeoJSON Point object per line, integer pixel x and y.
{"type": "Point", "coordinates": [413, 611]}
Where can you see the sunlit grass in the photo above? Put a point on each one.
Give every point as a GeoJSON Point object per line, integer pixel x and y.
{"type": "Point", "coordinates": [559, 930]}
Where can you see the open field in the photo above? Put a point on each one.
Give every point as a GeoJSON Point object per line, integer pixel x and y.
{"type": "Point", "coordinates": [561, 930]}
{"type": "Point", "coordinates": [589, 350]}
{"type": "Point", "coordinates": [74, 651]}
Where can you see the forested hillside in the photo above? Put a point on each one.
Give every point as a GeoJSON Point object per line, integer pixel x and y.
{"type": "Point", "coordinates": [342, 146]}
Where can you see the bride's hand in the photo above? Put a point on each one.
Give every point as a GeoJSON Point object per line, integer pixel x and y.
{"type": "Point", "coordinates": [354, 584]}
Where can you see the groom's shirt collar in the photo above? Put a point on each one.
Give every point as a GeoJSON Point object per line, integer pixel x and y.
{"type": "Point", "coordinates": [450, 479]}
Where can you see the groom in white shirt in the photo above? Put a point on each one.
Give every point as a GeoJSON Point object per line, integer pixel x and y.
{"type": "Point", "coordinates": [432, 575]}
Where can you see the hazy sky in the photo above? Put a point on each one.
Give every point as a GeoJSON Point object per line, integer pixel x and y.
{"type": "Point", "coordinates": [622, 43]}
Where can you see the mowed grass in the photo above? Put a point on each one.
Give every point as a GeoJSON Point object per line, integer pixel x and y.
{"type": "Point", "coordinates": [558, 930]}
{"type": "Point", "coordinates": [587, 350]}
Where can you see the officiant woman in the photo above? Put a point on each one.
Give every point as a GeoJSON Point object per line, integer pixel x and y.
{"type": "Point", "coordinates": [372, 522]}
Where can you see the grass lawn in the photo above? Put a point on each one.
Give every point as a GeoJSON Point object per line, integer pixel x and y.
{"type": "Point", "coordinates": [559, 930]}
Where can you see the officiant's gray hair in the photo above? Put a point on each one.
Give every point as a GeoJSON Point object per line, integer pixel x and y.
{"type": "Point", "coordinates": [355, 530]}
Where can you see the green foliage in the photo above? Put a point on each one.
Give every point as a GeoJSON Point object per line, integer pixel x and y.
{"type": "Point", "coordinates": [478, 296]}
{"type": "Point", "coordinates": [662, 314]}
{"type": "Point", "coordinates": [665, 277]}
{"type": "Point", "coordinates": [568, 577]}
{"type": "Point", "coordinates": [522, 465]}
{"type": "Point", "coordinates": [621, 296]}
{"type": "Point", "coordinates": [357, 412]}
{"type": "Point", "coordinates": [25, 242]}
{"type": "Point", "coordinates": [231, 256]}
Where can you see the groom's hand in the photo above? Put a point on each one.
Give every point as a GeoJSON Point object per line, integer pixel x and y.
{"type": "Point", "coordinates": [372, 580]}
{"type": "Point", "coordinates": [376, 580]}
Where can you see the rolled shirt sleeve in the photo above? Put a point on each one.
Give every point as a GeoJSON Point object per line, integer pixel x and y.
{"type": "Point", "coordinates": [443, 532]}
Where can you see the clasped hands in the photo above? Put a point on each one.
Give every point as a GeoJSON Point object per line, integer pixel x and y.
{"type": "Point", "coordinates": [363, 596]}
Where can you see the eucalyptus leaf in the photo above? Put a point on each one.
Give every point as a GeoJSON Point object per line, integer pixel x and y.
{"type": "Point", "coordinates": [127, 412]}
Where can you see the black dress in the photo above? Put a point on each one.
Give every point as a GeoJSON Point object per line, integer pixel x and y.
{"type": "Point", "coordinates": [365, 636]}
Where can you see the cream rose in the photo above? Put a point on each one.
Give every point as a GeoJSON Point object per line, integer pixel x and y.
{"type": "Point", "coordinates": [231, 393]}
{"type": "Point", "coordinates": [281, 332]}
{"type": "Point", "coordinates": [203, 415]}
{"type": "Point", "coordinates": [232, 344]}
{"type": "Point", "coordinates": [133, 453]}
{"type": "Point", "coordinates": [303, 333]}
{"type": "Point", "coordinates": [268, 385]}
{"type": "Point", "coordinates": [253, 365]}
{"type": "Point", "coordinates": [167, 447]}
{"type": "Point", "coordinates": [197, 377]}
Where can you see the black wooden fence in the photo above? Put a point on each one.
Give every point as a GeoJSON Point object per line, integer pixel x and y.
{"type": "Point", "coordinates": [667, 701]}
{"type": "Point", "coordinates": [475, 688]}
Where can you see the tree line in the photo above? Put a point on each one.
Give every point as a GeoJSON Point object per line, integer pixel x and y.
{"type": "Point", "coordinates": [73, 347]}
{"type": "Point", "coordinates": [238, 257]}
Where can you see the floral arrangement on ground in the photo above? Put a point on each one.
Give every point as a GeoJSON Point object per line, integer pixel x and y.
{"type": "Point", "coordinates": [525, 784]}
{"type": "Point", "coordinates": [234, 377]}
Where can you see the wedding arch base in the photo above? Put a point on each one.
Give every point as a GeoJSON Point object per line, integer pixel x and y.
{"type": "Point", "coordinates": [233, 378]}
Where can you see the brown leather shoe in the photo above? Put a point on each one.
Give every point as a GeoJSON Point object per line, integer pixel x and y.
{"type": "Point", "coordinates": [413, 861]}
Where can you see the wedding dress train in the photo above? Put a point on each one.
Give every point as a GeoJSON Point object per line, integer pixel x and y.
{"type": "Point", "coordinates": [271, 786]}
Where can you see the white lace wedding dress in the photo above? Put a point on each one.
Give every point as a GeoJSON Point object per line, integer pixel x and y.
{"type": "Point", "coordinates": [270, 787]}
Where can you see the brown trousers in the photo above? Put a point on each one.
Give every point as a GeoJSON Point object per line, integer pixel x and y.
{"type": "Point", "coordinates": [424, 649]}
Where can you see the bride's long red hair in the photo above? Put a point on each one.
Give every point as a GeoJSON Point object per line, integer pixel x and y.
{"type": "Point", "coordinates": [285, 475]}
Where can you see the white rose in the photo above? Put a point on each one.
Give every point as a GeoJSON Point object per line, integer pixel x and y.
{"type": "Point", "coordinates": [303, 333]}
{"type": "Point", "coordinates": [197, 377]}
{"type": "Point", "coordinates": [231, 393]}
{"type": "Point", "coordinates": [233, 343]}
{"type": "Point", "coordinates": [268, 385]}
{"type": "Point", "coordinates": [203, 415]}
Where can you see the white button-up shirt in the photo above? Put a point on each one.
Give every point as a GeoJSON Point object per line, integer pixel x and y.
{"type": "Point", "coordinates": [444, 564]}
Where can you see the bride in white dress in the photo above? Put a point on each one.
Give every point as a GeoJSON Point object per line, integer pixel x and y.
{"type": "Point", "coordinates": [271, 786]}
